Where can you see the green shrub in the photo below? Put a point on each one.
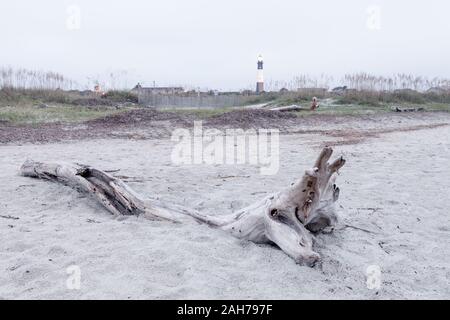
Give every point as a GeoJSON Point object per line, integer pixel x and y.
{"type": "Point", "coordinates": [121, 96]}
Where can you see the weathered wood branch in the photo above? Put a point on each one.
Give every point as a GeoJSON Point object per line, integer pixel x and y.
{"type": "Point", "coordinates": [288, 108]}
{"type": "Point", "coordinates": [117, 197]}
{"type": "Point", "coordinates": [285, 218]}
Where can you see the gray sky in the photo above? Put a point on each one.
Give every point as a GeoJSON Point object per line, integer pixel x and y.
{"type": "Point", "coordinates": [210, 43]}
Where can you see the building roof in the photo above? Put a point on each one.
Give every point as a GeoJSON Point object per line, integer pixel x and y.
{"type": "Point", "coordinates": [161, 88]}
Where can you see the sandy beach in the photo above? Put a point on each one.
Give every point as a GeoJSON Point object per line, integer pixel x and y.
{"type": "Point", "coordinates": [393, 214]}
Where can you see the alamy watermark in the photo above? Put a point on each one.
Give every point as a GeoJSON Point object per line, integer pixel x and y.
{"type": "Point", "coordinates": [73, 20]}
{"type": "Point", "coordinates": [373, 21]}
{"type": "Point", "coordinates": [73, 282]}
{"type": "Point", "coordinates": [373, 277]}
{"type": "Point", "coordinates": [230, 147]}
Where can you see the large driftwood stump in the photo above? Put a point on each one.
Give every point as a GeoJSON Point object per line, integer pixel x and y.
{"type": "Point", "coordinates": [286, 218]}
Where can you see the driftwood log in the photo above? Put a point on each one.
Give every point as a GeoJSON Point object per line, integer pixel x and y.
{"type": "Point", "coordinates": [288, 108]}
{"type": "Point", "coordinates": [406, 109]}
{"type": "Point", "coordinates": [287, 218]}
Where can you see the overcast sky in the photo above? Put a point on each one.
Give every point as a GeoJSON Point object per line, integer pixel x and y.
{"type": "Point", "coordinates": [210, 43]}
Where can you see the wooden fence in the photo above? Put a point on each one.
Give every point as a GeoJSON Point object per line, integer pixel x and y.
{"type": "Point", "coordinates": [201, 101]}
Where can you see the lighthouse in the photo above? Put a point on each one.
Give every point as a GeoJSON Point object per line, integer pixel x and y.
{"type": "Point", "coordinates": [260, 76]}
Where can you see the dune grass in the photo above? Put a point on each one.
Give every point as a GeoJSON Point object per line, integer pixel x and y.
{"type": "Point", "coordinates": [34, 107]}
{"type": "Point", "coordinates": [355, 110]}
{"type": "Point", "coordinates": [61, 113]}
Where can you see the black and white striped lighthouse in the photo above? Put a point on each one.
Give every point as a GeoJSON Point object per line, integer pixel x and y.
{"type": "Point", "coordinates": [260, 76]}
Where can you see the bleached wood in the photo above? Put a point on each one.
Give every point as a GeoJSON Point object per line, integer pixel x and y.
{"type": "Point", "coordinates": [286, 218]}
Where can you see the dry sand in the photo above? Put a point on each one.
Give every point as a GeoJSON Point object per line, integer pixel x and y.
{"type": "Point", "coordinates": [395, 186]}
